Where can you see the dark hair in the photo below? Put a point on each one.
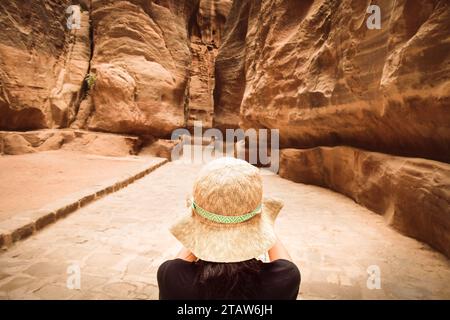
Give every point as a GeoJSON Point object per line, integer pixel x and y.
{"type": "Point", "coordinates": [235, 280]}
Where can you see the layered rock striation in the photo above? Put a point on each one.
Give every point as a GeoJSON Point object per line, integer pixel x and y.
{"type": "Point", "coordinates": [318, 73]}
{"type": "Point", "coordinates": [312, 69]}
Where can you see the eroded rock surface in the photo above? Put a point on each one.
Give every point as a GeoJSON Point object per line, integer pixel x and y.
{"type": "Point", "coordinates": [309, 68]}
{"type": "Point", "coordinates": [162, 148]}
{"type": "Point", "coordinates": [42, 64]}
{"type": "Point", "coordinates": [315, 71]}
{"type": "Point", "coordinates": [152, 64]}
{"type": "Point", "coordinates": [413, 194]}
{"type": "Point", "coordinates": [141, 59]}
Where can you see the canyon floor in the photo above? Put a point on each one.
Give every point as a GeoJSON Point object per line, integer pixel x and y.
{"type": "Point", "coordinates": [120, 240]}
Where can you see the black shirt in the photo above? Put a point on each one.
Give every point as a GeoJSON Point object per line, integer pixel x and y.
{"type": "Point", "coordinates": [279, 279]}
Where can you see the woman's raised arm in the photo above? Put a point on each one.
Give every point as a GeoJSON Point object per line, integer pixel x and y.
{"type": "Point", "coordinates": [278, 251]}
{"type": "Point", "coordinates": [185, 254]}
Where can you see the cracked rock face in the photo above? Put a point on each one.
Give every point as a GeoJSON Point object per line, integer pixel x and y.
{"type": "Point", "coordinates": [309, 68]}
{"type": "Point", "coordinates": [312, 69]}
{"type": "Point", "coordinates": [315, 71]}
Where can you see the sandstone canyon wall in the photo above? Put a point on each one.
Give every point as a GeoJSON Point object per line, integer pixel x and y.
{"type": "Point", "coordinates": [315, 71]}
{"type": "Point", "coordinates": [152, 64]}
{"type": "Point", "coordinates": [42, 64]}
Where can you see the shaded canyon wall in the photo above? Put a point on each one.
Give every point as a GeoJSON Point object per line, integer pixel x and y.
{"type": "Point", "coordinates": [206, 29]}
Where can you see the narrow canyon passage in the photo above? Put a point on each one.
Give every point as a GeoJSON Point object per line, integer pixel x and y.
{"type": "Point", "coordinates": [120, 240]}
{"type": "Point", "coordinates": [347, 101]}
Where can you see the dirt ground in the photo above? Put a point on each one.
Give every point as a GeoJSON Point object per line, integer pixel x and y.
{"type": "Point", "coordinates": [30, 181]}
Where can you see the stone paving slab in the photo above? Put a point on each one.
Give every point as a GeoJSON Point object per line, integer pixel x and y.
{"type": "Point", "coordinates": [23, 225]}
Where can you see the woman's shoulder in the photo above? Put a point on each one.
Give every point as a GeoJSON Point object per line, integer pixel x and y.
{"type": "Point", "coordinates": [174, 269]}
{"type": "Point", "coordinates": [282, 279]}
{"type": "Point", "coordinates": [175, 279]}
{"type": "Point", "coordinates": [174, 264]}
{"type": "Point", "coordinates": [283, 266]}
{"type": "Point", "coordinates": [283, 262]}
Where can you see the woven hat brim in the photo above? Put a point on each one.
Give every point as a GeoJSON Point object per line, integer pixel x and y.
{"type": "Point", "coordinates": [214, 242]}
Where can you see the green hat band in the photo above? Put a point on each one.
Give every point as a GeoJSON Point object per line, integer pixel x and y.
{"type": "Point", "coordinates": [225, 219]}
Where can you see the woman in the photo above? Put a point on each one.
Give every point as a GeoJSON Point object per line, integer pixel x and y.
{"type": "Point", "coordinates": [228, 227]}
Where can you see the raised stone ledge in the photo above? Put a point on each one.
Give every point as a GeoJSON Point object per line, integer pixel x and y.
{"type": "Point", "coordinates": [413, 194]}
{"type": "Point", "coordinates": [91, 142]}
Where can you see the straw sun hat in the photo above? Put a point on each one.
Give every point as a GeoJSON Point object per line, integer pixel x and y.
{"type": "Point", "coordinates": [228, 219]}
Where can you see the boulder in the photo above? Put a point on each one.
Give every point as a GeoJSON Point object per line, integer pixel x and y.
{"type": "Point", "coordinates": [160, 148]}
{"type": "Point", "coordinates": [55, 142]}
{"type": "Point", "coordinates": [14, 144]}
